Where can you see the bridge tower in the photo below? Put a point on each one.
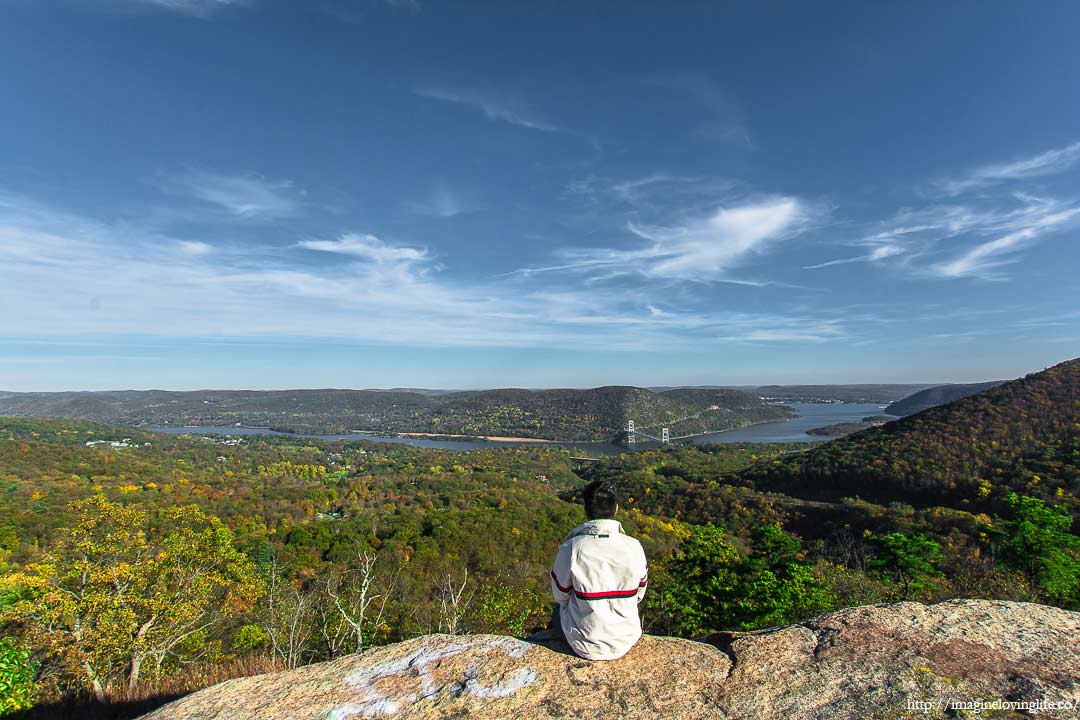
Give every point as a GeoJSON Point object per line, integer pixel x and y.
{"type": "Point", "coordinates": [630, 439]}
{"type": "Point", "coordinates": [665, 437]}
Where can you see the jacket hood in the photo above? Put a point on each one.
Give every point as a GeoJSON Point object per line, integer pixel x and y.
{"type": "Point", "coordinates": [597, 527]}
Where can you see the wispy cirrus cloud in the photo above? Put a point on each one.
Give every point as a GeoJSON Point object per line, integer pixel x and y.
{"type": "Point", "coordinates": [368, 247]}
{"type": "Point", "coordinates": [972, 240]}
{"type": "Point", "coordinates": [986, 258]}
{"type": "Point", "coordinates": [633, 188]}
{"type": "Point", "coordinates": [707, 247]}
{"type": "Point", "coordinates": [879, 253]}
{"type": "Point", "coordinates": [657, 192]}
{"type": "Point", "coordinates": [241, 196]}
{"type": "Point", "coordinates": [1050, 162]}
{"type": "Point", "coordinates": [194, 247]}
{"type": "Point", "coordinates": [194, 8]}
{"type": "Point", "coordinates": [979, 229]}
{"type": "Point", "coordinates": [701, 248]}
{"type": "Point", "coordinates": [79, 276]}
{"type": "Point", "coordinates": [494, 106]}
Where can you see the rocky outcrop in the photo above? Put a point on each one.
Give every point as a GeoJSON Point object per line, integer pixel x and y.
{"type": "Point", "coordinates": [882, 661]}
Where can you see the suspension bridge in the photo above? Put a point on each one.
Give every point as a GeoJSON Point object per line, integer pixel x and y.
{"type": "Point", "coordinates": [632, 434]}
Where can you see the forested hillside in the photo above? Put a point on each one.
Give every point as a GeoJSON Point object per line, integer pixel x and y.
{"type": "Point", "coordinates": [597, 414]}
{"type": "Point", "coordinates": [1023, 436]}
{"type": "Point", "coordinates": [864, 393]}
{"type": "Point", "coordinates": [246, 554]}
{"type": "Point", "coordinates": [940, 395]}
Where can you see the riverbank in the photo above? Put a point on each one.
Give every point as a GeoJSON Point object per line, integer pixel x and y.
{"type": "Point", "coordinates": [692, 436]}
{"type": "Point", "coordinates": [794, 429]}
{"type": "Point", "coordinates": [474, 438]}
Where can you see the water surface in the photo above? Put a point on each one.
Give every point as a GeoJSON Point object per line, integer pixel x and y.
{"type": "Point", "coordinates": [810, 415]}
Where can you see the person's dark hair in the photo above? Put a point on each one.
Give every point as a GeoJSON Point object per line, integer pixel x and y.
{"type": "Point", "coordinates": [601, 500]}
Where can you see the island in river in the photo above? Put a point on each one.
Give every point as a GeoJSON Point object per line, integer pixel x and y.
{"type": "Point", "coordinates": [848, 427]}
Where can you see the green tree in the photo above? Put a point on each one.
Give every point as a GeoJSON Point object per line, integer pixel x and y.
{"type": "Point", "coordinates": [705, 581]}
{"type": "Point", "coordinates": [714, 587]}
{"type": "Point", "coordinates": [776, 587]}
{"type": "Point", "coordinates": [123, 587]}
{"type": "Point", "coordinates": [775, 548]}
{"type": "Point", "coordinates": [249, 637]}
{"type": "Point", "coordinates": [1040, 543]}
{"type": "Point", "coordinates": [909, 560]}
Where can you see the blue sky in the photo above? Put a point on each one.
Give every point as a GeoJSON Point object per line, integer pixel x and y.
{"type": "Point", "coordinates": [362, 193]}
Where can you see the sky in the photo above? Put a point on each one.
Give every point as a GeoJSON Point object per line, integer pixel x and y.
{"type": "Point", "coordinates": [387, 193]}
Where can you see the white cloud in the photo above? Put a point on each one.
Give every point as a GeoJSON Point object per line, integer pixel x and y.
{"type": "Point", "coordinates": [699, 249]}
{"type": "Point", "coordinates": [1047, 163]}
{"type": "Point", "coordinates": [194, 247]}
{"type": "Point", "coordinates": [707, 247]}
{"type": "Point", "coordinates": [878, 254]}
{"type": "Point", "coordinates": [971, 239]}
{"type": "Point", "coordinates": [659, 198]}
{"type": "Point", "coordinates": [984, 259]}
{"type": "Point", "coordinates": [368, 247]}
{"type": "Point", "coordinates": [494, 106]}
{"type": "Point", "coordinates": [71, 275]}
{"type": "Point", "coordinates": [629, 188]}
{"type": "Point", "coordinates": [247, 197]}
{"type": "Point", "coordinates": [195, 8]}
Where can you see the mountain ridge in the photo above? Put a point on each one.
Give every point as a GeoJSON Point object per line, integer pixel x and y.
{"type": "Point", "coordinates": [1020, 436]}
{"type": "Point", "coordinates": [559, 414]}
{"type": "Point", "coordinates": [939, 395]}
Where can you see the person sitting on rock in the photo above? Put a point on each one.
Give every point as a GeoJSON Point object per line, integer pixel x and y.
{"type": "Point", "coordinates": [598, 580]}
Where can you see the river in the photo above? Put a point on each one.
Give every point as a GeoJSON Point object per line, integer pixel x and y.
{"type": "Point", "coordinates": [809, 415]}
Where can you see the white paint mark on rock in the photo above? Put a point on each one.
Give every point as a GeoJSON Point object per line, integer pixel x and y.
{"type": "Point", "coordinates": [519, 680]}
{"type": "Point", "coordinates": [372, 701]}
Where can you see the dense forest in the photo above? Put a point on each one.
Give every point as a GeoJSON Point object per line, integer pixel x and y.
{"type": "Point", "coordinates": [582, 415]}
{"type": "Point", "coordinates": [135, 565]}
{"type": "Point", "coordinates": [1022, 436]}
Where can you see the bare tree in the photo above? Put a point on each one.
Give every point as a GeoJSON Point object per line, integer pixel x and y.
{"type": "Point", "coordinates": [356, 600]}
{"type": "Point", "coordinates": [844, 547]}
{"type": "Point", "coordinates": [453, 603]}
{"type": "Point", "coordinates": [289, 611]}
{"type": "Point", "coordinates": [335, 634]}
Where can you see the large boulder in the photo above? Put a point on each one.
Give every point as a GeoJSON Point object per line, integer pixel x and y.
{"type": "Point", "coordinates": [880, 661]}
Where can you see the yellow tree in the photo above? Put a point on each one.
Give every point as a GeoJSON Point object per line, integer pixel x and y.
{"type": "Point", "coordinates": [125, 587]}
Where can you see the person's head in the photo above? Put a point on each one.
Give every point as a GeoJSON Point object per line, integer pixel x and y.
{"type": "Point", "coordinates": [601, 500]}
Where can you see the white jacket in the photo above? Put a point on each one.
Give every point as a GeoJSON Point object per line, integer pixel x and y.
{"type": "Point", "coordinates": [598, 580]}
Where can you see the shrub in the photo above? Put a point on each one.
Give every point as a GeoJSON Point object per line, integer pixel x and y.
{"type": "Point", "coordinates": [18, 689]}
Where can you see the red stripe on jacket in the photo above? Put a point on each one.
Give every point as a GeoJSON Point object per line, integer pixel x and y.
{"type": "Point", "coordinates": [599, 595]}
{"type": "Point", "coordinates": [564, 588]}
{"type": "Point", "coordinates": [609, 594]}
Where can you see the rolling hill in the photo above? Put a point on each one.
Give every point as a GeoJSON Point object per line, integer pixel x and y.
{"type": "Point", "coordinates": [1021, 436]}
{"type": "Point", "coordinates": [581, 415]}
{"type": "Point", "coordinates": [940, 395]}
{"type": "Point", "coordinates": [864, 393]}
